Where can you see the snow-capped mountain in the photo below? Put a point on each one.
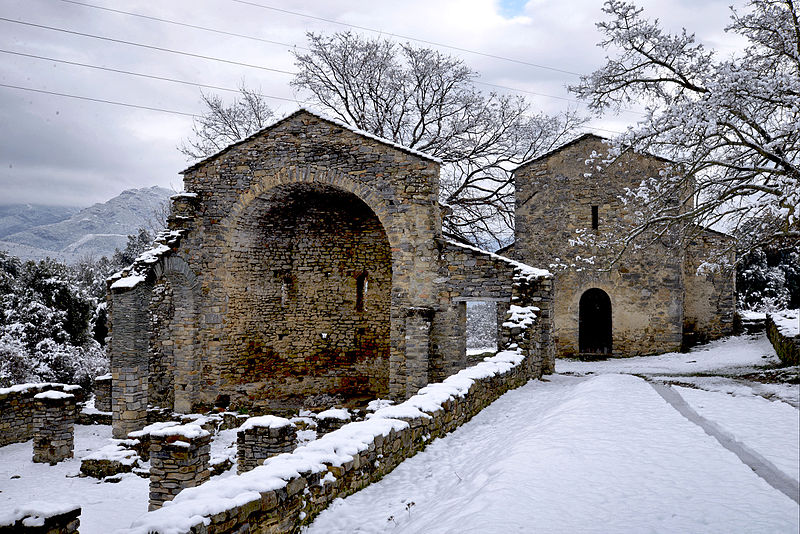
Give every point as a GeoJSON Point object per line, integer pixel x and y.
{"type": "Point", "coordinates": [35, 232]}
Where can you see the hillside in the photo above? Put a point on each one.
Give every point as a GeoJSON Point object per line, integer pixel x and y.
{"type": "Point", "coordinates": [68, 233]}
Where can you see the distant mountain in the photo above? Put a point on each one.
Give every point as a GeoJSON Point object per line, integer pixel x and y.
{"type": "Point", "coordinates": [96, 230]}
{"type": "Point", "coordinates": [19, 217]}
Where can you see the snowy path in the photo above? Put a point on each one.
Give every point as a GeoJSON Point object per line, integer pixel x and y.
{"type": "Point", "coordinates": [774, 476]}
{"type": "Point", "coordinates": [600, 454]}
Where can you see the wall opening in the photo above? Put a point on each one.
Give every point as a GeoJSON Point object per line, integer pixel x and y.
{"type": "Point", "coordinates": [595, 217]}
{"type": "Point", "coordinates": [310, 297]}
{"type": "Point", "coordinates": [481, 328]}
{"type": "Point", "coordinates": [594, 324]}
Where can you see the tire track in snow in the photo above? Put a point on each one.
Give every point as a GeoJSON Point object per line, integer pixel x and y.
{"type": "Point", "coordinates": [760, 465]}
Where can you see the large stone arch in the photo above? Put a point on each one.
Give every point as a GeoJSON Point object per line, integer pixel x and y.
{"type": "Point", "coordinates": [264, 182]}
{"type": "Point", "coordinates": [130, 344]}
{"type": "Point", "coordinates": [306, 247]}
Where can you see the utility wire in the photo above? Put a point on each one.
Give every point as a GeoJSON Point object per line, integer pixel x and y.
{"type": "Point", "coordinates": [139, 74]}
{"type": "Point", "coordinates": [434, 43]}
{"type": "Point", "coordinates": [244, 36]}
{"type": "Point", "coordinates": [150, 108]}
{"type": "Point", "coordinates": [184, 24]}
{"type": "Point", "coordinates": [151, 47]}
{"type": "Point", "coordinates": [89, 99]}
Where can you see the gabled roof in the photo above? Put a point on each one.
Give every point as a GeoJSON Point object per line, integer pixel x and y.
{"type": "Point", "coordinates": [320, 116]}
{"type": "Point", "coordinates": [575, 141]}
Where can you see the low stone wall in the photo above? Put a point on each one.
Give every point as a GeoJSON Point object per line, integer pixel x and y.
{"type": "Point", "coordinates": [102, 393]}
{"type": "Point", "coordinates": [179, 457]}
{"type": "Point", "coordinates": [41, 518]}
{"type": "Point", "coordinates": [53, 427]}
{"type": "Point", "coordinates": [17, 407]}
{"type": "Point", "coordinates": [262, 437]}
{"type": "Point", "coordinates": [289, 490]}
{"type": "Point", "coordinates": [787, 348]}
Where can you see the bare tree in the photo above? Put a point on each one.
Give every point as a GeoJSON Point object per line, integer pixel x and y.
{"type": "Point", "coordinates": [730, 125]}
{"type": "Point", "coordinates": [223, 124]}
{"type": "Point", "coordinates": [427, 100]}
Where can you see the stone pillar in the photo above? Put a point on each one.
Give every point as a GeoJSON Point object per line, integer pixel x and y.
{"type": "Point", "coordinates": [53, 427]}
{"type": "Point", "coordinates": [179, 457]}
{"type": "Point", "coordinates": [102, 393]}
{"type": "Point", "coordinates": [128, 351]}
{"type": "Point", "coordinates": [262, 437]}
{"type": "Point", "coordinates": [418, 338]}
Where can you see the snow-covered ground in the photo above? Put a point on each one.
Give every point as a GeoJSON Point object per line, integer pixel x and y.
{"type": "Point", "coordinates": [601, 451]}
{"type": "Point", "coordinates": [592, 449]}
{"type": "Point", "coordinates": [105, 506]}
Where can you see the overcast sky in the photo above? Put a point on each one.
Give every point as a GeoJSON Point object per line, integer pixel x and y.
{"type": "Point", "coordinates": [59, 150]}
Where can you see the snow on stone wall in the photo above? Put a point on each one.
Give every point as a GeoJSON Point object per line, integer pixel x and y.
{"type": "Point", "coordinates": [289, 490]}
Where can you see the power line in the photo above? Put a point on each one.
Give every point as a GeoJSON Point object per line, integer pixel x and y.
{"type": "Point", "coordinates": [244, 36]}
{"type": "Point", "coordinates": [139, 74]}
{"type": "Point", "coordinates": [184, 24]}
{"type": "Point", "coordinates": [100, 100]}
{"type": "Point", "coordinates": [141, 45]}
{"type": "Point", "coordinates": [434, 43]}
{"type": "Point", "coordinates": [150, 108]}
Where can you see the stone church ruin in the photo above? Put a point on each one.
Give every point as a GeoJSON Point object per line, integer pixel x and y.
{"type": "Point", "coordinates": [308, 260]}
{"type": "Point", "coordinates": [653, 300]}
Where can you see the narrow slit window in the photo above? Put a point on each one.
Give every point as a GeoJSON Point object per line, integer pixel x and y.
{"type": "Point", "coordinates": [361, 290]}
{"type": "Point", "coordinates": [595, 218]}
{"type": "Point", "coordinates": [286, 290]}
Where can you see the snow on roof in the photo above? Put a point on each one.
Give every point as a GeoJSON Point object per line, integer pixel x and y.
{"type": "Point", "coordinates": [318, 115]}
{"type": "Point", "coordinates": [265, 421]}
{"type": "Point", "coordinates": [523, 268]}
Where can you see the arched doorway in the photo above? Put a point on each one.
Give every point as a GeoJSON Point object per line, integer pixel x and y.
{"type": "Point", "coordinates": [309, 289]}
{"type": "Point", "coordinates": [594, 324]}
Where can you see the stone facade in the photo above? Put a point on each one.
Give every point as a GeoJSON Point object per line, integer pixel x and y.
{"type": "Point", "coordinates": [304, 260]}
{"type": "Point", "coordinates": [179, 458]}
{"type": "Point", "coordinates": [53, 427]}
{"type": "Point", "coordinates": [568, 203]}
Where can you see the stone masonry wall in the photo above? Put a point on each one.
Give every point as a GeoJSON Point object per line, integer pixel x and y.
{"type": "Point", "coordinates": [102, 393]}
{"type": "Point", "coordinates": [710, 301]}
{"type": "Point", "coordinates": [53, 427]}
{"type": "Point", "coordinates": [17, 409]}
{"type": "Point", "coordinates": [787, 348]}
{"type": "Point", "coordinates": [309, 300]}
{"type": "Point", "coordinates": [216, 227]}
{"type": "Point", "coordinates": [179, 457]}
{"type": "Point", "coordinates": [42, 519]}
{"type": "Point", "coordinates": [262, 437]}
{"type": "Point", "coordinates": [324, 470]}
{"type": "Point", "coordinates": [554, 230]}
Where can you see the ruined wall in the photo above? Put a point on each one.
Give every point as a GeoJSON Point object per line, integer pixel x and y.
{"type": "Point", "coordinates": [309, 297]}
{"type": "Point", "coordinates": [240, 256]}
{"type": "Point", "coordinates": [555, 196]}
{"type": "Point", "coordinates": [710, 300]}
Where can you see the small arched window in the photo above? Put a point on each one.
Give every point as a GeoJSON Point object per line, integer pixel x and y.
{"type": "Point", "coordinates": [286, 290]}
{"type": "Point", "coordinates": [361, 291]}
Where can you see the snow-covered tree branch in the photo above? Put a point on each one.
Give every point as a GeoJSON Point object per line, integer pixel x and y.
{"type": "Point", "coordinates": [427, 100]}
{"type": "Point", "coordinates": [730, 125]}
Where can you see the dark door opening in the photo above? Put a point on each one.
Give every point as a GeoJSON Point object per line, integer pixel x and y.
{"type": "Point", "coordinates": [594, 324]}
